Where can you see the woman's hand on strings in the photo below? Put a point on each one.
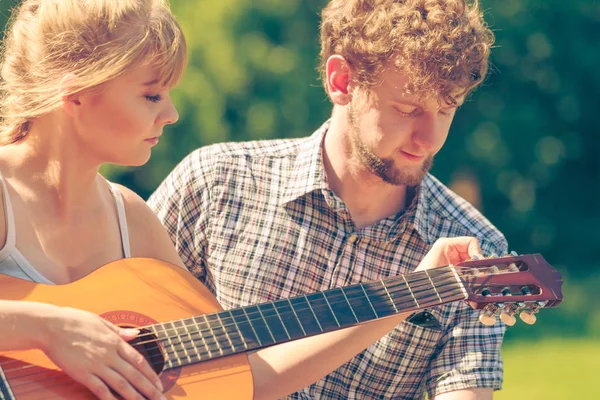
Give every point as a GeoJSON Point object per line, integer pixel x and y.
{"type": "Point", "coordinates": [96, 354]}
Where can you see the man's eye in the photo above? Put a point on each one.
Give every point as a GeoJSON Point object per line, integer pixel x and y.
{"type": "Point", "coordinates": [406, 111]}
{"type": "Point", "coordinates": [154, 99]}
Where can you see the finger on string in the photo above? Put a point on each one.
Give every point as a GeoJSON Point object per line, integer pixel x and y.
{"type": "Point", "coordinates": [128, 333]}
{"type": "Point", "coordinates": [134, 358]}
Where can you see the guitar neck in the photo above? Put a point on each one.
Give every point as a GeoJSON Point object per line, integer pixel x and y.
{"type": "Point", "coordinates": [5, 392]}
{"type": "Point", "coordinates": [191, 340]}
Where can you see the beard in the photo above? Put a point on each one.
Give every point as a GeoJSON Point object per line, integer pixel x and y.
{"type": "Point", "coordinates": [384, 168]}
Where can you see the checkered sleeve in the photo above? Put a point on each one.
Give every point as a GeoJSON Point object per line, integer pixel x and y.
{"type": "Point", "coordinates": [182, 203]}
{"type": "Point", "coordinates": [469, 354]}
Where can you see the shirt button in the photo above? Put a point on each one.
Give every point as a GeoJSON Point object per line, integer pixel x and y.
{"type": "Point", "coordinates": [352, 238]}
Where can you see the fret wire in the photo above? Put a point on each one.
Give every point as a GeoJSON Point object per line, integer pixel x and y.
{"type": "Point", "coordinates": [238, 329]}
{"type": "Point", "coordinates": [296, 315]}
{"type": "Point", "coordinates": [160, 341]}
{"type": "Point", "coordinates": [187, 323]}
{"type": "Point", "coordinates": [411, 302]}
{"type": "Point", "coordinates": [313, 311]}
{"type": "Point", "coordinates": [389, 295]}
{"type": "Point", "coordinates": [448, 279]}
{"type": "Point", "coordinates": [281, 319]}
{"type": "Point", "coordinates": [332, 312]}
{"type": "Point", "coordinates": [193, 319]}
{"type": "Point", "coordinates": [385, 289]}
{"type": "Point", "coordinates": [423, 305]}
{"type": "Point", "coordinates": [460, 283]}
{"type": "Point", "coordinates": [422, 287]}
{"type": "Point", "coordinates": [369, 300]}
{"type": "Point", "coordinates": [183, 345]}
{"type": "Point", "coordinates": [418, 288]}
{"type": "Point", "coordinates": [293, 310]}
{"type": "Point", "coordinates": [266, 323]}
{"type": "Point", "coordinates": [192, 330]}
{"type": "Point", "coordinates": [178, 335]}
{"type": "Point", "coordinates": [427, 303]}
{"type": "Point", "coordinates": [436, 292]}
{"type": "Point", "coordinates": [252, 326]}
{"type": "Point", "coordinates": [213, 334]}
{"type": "Point", "coordinates": [202, 337]}
{"type": "Point", "coordinates": [411, 292]}
{"type": "Point", "coordinates": [349, 305]}
{"type": "Point", "coordinates": [226, 333]}
{"type": "Point", "coordinates": [170, 342]}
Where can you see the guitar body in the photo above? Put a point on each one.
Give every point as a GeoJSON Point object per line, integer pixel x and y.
{"type": "Point", "coordinates": [128, 292]}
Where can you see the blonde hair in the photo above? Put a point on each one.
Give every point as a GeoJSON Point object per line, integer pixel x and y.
{"type": "Point", "coordinates": [442, 45]}
{"type": "Point", "coordinates": [95, 40]}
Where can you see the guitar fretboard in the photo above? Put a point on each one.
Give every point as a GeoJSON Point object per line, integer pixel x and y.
{"type": "Point", "coordinates": [5, 392]}
{"type": "Point", "coordinates": [209, 336]}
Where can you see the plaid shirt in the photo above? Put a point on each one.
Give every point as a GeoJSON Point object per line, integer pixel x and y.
{"type": "Point", "coordinates": [256, 222]}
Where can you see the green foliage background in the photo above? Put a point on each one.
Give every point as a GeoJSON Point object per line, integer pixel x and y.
{"type": "Point", "coordinates": [524, 149]}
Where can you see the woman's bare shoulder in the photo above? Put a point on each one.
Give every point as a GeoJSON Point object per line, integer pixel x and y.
{"type": "Point", "coordinates": [147, 235]}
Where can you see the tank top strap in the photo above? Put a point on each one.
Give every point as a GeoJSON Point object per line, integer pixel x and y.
{"type": "Point", "coordinates": [120, 205]}
{"type": "Point", "coordinates": [10, 221]}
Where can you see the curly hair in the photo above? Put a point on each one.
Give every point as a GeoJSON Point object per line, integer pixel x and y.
{"type": "Point", "coordinates": [94, 40]}
{"type": "Point", "coordinates": [442, 45]}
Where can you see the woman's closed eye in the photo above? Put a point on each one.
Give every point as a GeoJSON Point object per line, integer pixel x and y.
{"type": "Point", "coordinates": [154, 98]}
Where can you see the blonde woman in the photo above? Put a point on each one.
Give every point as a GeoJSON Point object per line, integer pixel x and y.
{"type": "Point", "coordinates": [87, 83]}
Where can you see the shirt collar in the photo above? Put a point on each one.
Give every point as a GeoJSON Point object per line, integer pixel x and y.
{"type": "Point", "coordinates": [419, 214]}
{"type": "Point", "coordinates": [308, 175]}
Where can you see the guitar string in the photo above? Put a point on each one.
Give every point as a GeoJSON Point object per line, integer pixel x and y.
{"type": "Point", "coordinates": [257, 319]}
{"type": "Point", "coordinates": [425, 280]}
{"type": "Point", "coordinates": [17, 389]}
{"type": "Point", "coordinates": [183, 344]}
{"type": "Point", "coordinates": [380, 293]}
{"type": "Point", "coordinates": [188, 340]}
{"type": "Point", "coordinates": [208, 330]}
{"type": "Point", "coordinates": [66, 378]}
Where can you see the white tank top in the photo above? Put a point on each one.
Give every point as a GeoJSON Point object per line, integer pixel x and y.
{"type": "Point", "coordinates": [12, 261]}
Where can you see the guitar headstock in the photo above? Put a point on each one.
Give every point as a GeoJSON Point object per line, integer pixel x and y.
{"type": "Point", "coordinates": [506, 285]}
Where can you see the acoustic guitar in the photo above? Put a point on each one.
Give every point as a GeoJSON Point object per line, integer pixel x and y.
{"type": "Point", "coordinates": [200, 350]}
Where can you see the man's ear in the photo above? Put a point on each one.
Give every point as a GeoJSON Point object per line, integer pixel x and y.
{"type": "Point", "coordinates": [339, 77]}
{"type": "Point", "coordinates": [70, 101]}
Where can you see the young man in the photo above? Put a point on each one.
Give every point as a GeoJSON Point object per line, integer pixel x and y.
{"type": "Point", "coordinates": [354, 202]}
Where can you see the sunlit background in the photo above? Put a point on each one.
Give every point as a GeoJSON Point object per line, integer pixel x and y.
{"type": "Point", "coordinates": [524, 149]}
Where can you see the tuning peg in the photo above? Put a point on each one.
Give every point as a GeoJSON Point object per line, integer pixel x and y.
{"type": "Point", "coordinates": [507, 315]}
{"type": "Point", "coordinates": [508, 318]}
{"type": "Point", "coordinates": [528, 317]}
{"type": "Point", "coordinates": [487, 319]}
{"type": "Point", "coordinates": [488, 316]}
